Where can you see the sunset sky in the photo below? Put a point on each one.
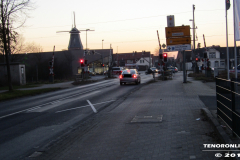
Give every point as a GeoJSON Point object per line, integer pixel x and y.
{"type": "Point", "coordinates": [129, 25]}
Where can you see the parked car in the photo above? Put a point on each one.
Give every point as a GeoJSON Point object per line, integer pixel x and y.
{"type": "Point", "coordinates": [233, 70]}
{"type": "Point", "coordinates": [130, 76]}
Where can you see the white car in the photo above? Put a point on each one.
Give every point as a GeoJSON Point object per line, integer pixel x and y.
{"type": "Point", "coordinates": [116, 71]}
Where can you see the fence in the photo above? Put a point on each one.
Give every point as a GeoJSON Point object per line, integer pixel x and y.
{"type": "Point", "coordinates": [228, 103]}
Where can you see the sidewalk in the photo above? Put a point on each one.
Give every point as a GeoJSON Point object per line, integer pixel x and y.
{"type": "Point", "coordinates": [162, 121]}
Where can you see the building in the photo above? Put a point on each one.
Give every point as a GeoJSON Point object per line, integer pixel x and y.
{"type": "Point", "coordinates": [140, 60]}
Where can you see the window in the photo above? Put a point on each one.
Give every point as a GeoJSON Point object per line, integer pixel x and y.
{"type": "Point", "coordinates": [212, 55]}
{"type": "Point", "coordinates": [216, 64]}
{"type": "Point", "coordinates": [222, 64]}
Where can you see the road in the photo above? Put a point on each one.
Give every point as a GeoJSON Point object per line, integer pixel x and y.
{"type": "Point", "coordinates": [32, 123]}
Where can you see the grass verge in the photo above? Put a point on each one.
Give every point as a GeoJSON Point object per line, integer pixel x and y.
{"type": "Point", "coordinates": [22, 93]}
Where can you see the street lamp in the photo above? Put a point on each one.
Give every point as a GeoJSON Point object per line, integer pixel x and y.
{"type": "Point", "coordinates": [86, 37]}
{"type": "Point", "coordinates": [102, 43]}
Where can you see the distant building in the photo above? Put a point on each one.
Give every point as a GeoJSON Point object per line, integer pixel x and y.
{"type": "Point", "coordinates": [140, 60]}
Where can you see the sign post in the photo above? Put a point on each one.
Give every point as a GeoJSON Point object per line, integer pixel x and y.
{"type": "Point", "coordinates": [179, 39]}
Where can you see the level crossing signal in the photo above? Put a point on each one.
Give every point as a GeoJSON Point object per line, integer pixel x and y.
{"type": "Point", "coordinates": [82, 62]}
{"type": "Point", "coordinates": [165, 57]}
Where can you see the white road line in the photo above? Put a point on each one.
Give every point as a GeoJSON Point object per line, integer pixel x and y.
{"type": "Point", "coordinates": [93, 108]}
{"type": "Point", "coordinates": [83, 106]}
{"type": "Point", "coordinates": [40, 106]}
{"type": "Point", "coordinates": [53, 105]}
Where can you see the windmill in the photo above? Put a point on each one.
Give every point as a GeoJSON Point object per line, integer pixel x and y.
{"type": "Point", "coordinates": [75, 41]}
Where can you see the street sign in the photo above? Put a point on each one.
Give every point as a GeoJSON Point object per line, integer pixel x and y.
{"type": "Point", "coordinates": [179, 31]}
{"type": "Point", "coordinates": [176, 41]}
{"type": "Point", "coordinates": [170, 21]}
{"type": "Point", "coordinates": [179, 47]}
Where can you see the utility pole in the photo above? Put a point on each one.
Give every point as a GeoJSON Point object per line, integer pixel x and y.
{"type": "Point", "coordinates": [193, 53]}
{"type": "Point", "coordinates": [193, 27]}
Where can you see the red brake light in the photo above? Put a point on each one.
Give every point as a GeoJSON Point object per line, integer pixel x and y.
{"type": "Point", "coordinates": [134, 76]}
{"type": "Point", "coordinates": [120, 76]}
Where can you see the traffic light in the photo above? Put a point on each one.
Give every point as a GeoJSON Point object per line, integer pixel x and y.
{"type": "Point", "coordinates": [165, 57]}
{"type": "Point", "coordinates": [197, 60]}
{"type": "Point", "coordinates": [160, 56]}
{"type": "Point", "coordinates": [82, 62]}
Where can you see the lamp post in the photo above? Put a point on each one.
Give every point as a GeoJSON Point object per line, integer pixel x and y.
{"type": "Point", "coordinates": [86, 37]}
{"type": "Point", "coordinates": [102, 43]}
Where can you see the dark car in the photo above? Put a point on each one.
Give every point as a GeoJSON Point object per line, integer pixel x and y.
{"type": "Point", "coordinates": [174, 69]}
{"type": "Point", "coordinates": [130, 76]}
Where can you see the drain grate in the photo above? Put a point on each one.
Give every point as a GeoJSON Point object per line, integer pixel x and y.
{"type": "Point", "coordinates": [147, 119]}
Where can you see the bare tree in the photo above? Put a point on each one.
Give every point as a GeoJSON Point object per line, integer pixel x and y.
{"type": "Point", "coordinates": [32, 47]}
{"type": "Point", "coordinates": [13, 14]}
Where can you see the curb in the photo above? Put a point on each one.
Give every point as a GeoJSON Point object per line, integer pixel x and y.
{"type": "Point", "coordinates": [220, 132]}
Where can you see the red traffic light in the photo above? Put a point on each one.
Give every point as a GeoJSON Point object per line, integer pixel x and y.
{"type": "Point", "coordinates": [196, 59]}
{"type": "Point", "coordinates": [81, 60]}
{"type": "Point", "coordinates": [164, 54]}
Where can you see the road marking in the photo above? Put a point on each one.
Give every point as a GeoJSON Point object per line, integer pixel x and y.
{"type": "Point", "coordinates": [39, 107]}
{"type": "Point", "coordinates": [93, 108]}
{"type": "Point", "coordinates": [56, 103]}
{"type": "Point", "coordinates": [83, 106]}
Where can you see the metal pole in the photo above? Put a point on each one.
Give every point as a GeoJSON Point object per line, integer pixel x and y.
{"type": "Point", "coordinates": [227, 43]}
{"type": "Point", "coordinates": [235, 49]}
{"type": "Point", "coordinates": [86, 39]}
{"type": "Point", "coordinates": [102, 43]}
{"type": "Point", "coordinates": [193, 28]}
{"type": "Point", "coordinates": [194, 47]}
{"type": "Point", "coordinates": [184, 68]}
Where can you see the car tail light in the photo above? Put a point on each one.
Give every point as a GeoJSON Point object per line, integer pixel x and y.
{"type": "Point", "coordinates": [120, 76]}
{"type": "Point", "coordinates": [134, 76]}
{"type": "Point", "coordinates": [175, 69]}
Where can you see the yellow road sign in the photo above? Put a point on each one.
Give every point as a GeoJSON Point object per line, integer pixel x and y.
{"type": "Point", "coordinates": [176, 41]}
{"type": "Point", "coordinates": [179, 31]}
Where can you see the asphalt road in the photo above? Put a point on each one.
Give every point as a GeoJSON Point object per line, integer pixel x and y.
{"type": "Point", "coordinates": [34, 122]}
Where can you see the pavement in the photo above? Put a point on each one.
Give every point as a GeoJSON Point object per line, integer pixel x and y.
{"type": "Point", "coordinates": [164, 120]}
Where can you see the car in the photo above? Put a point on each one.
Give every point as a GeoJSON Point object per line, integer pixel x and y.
{"type": "Point", "coordinates": [154, 69]}
{"type": "Point", "coordinates": [130, 76]}
{"type": "Point", "coordinates": [174, 69]}
{"type": "Point", "coordinates": [92, 73]}
{"type": "Point", "coordinates": [117, 70]}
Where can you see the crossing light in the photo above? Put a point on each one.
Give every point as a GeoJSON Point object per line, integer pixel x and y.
{"type": "Point", "coordinates": [82, 62]}
{"type": "Point", "coordinates": [165, 57]}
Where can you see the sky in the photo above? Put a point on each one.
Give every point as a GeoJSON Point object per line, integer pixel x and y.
{"type": "Point", "coordinates": [128, 25]}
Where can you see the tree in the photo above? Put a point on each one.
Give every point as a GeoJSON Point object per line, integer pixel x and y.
{"type": "Point", "coordinates": [32, 47]}
{"type": "Point", "coordinates": [13, 13]}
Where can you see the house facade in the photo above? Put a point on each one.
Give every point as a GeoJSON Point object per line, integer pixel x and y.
{"type": "Point", "coordinates": [140, 60]}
